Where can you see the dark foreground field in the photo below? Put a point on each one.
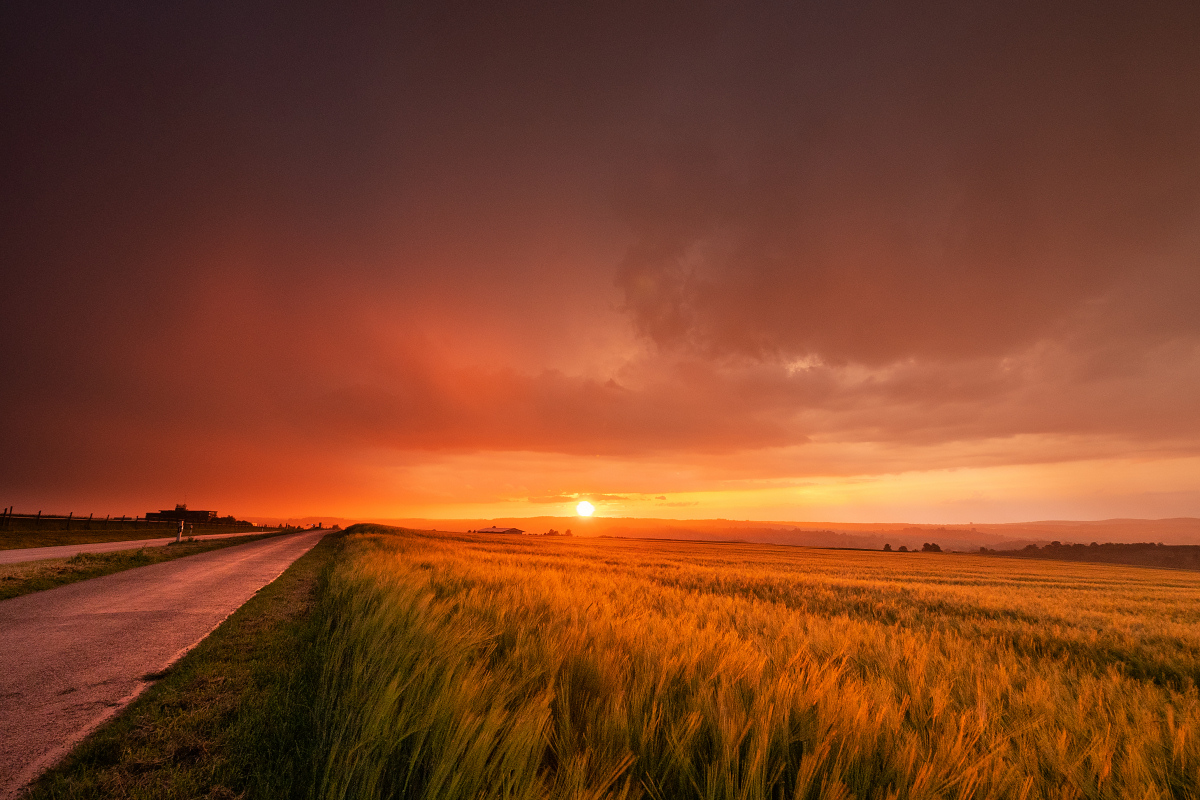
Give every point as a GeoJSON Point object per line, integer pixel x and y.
{"type": "Point", "coordinates": [454, 666]}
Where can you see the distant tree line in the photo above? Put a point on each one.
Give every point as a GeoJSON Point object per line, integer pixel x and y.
{"type": "Point", "coordinates": [1144, 554]}
{"type": "Point", "coordinates": [927, 547]}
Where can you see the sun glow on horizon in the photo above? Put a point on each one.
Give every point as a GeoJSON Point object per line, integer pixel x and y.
{"type": "Point", "coordinates": [585, 509]}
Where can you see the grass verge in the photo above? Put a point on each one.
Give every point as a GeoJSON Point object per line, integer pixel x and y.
{"type": "Point", "coordinates": [214, 721]}
{"type": "Point", "coordinates": [34, 576]}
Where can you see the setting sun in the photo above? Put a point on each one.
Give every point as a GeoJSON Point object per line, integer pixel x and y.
{"type": "Point", "coordinates": [585, 509]}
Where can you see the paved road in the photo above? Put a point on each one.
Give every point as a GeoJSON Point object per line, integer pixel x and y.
{"type": "Point", "coordinates": [67, 550]}
{"type": "Point", "coordinates": [71, 657]}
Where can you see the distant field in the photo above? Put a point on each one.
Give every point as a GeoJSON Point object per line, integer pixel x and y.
{"type": "Point", "coordinates": [474, 666]}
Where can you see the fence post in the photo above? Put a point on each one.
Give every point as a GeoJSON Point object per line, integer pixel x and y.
{"type": "Point", "coordinates": [37, 522]}
{"type": "Point", "coordinates": [69, 515]}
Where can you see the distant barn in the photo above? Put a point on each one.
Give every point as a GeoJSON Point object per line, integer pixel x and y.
{"type": "Point", "coordinates": [494, 529]}
{"type": "Point", "coordinates": [181, 513]}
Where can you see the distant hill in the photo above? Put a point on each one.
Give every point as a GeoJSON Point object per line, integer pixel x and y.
{"type": "Point", "coordinates": [860, 535]}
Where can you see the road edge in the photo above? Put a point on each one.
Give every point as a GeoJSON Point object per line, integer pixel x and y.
{"type": "Point", "coordinates": [24, 780]}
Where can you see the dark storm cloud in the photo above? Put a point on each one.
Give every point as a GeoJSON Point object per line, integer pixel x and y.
{"type": "Point", "coordinates": [943, 186]}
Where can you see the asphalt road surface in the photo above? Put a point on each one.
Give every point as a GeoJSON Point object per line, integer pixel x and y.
{"type": "Point", "coordinates": [71, 657]}
{"type": "Point", "coordinates": [67, 550]}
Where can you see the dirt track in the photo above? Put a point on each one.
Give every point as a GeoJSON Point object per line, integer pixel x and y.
{"type": "Point", "coordinates": [71, 657]}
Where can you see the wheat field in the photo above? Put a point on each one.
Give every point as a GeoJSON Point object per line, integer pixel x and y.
{"type": "Point", "coordinates": [469, 666]}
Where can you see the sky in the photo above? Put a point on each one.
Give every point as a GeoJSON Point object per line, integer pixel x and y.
{"type": "Point", "coordinates": [805, 260]}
